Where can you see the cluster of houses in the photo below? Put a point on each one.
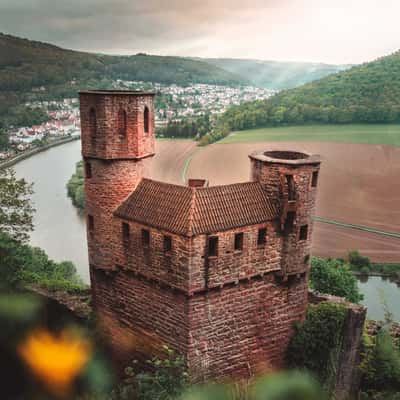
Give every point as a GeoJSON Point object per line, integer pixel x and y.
{"type": "Point", "coordinates": [196, 99]}
{"type": "Point", "coordinates": [64, 121]}
{"type": "Point", "coordinates": [180, 102]}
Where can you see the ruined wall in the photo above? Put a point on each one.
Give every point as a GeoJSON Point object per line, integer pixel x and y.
{"type": "Point", "coordinates": [244, 329]}
{"type": "Point", "coordinates": [348, 374]}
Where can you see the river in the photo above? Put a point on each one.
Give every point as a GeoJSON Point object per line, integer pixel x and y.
{"type": "Point", "coordinates": [378, 291]}
{"type": "Point", "coordinates": [60, 227]}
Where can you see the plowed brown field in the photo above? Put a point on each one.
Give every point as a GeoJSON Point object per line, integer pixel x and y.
{"type": "Point", "coordinates": [359, 184]}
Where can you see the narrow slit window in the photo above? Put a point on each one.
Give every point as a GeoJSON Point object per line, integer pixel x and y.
{"type": "Point", "coordinates": [122, 123]}
{"type": "Point", "coordinates": [146, 120]}
{"type": "Point", "coordinates": [262, 236]}
{"type": "Point", "coordinates": [239, 241]}
{"type": "Point", "coordinates": [92, 123]}
{"type": "Point", "coordinates": [88, 170]}
{"type": "Point", "coordinates": [213, 246]}
{"type": "Point", "coordinates": [90, 223]}
{"type": "Point", "coordinates": [314, 179]}
{"type": "Point", "coordinates": [307, 259]}
{"type": "Point", "coordinates": [126, 232]}
{"type": "Point", "coordinates": [167, 243]}
{"type": "Point", "coordinates": [303, 232]}
{"type": "Point", "coordinates": [145, 237]}
{"type": "Point", "coordinates": [291, 216]}
{"type": "Point", "coordinates": [291, 190]}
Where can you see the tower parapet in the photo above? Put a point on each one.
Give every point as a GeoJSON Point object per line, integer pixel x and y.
{"type": "Point", "coordinates": [290, 177]}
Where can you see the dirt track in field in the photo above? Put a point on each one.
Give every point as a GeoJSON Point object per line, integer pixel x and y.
{"type": "Point", "coordinates": [359, 184]}
{"type": "Point", "coordinates": [170, 159]}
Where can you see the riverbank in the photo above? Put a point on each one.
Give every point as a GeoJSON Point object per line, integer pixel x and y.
{"type": "Point", "coordinates": [30, 153]}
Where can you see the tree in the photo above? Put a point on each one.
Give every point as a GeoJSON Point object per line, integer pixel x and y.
{"type": "Point", "coordinates": [334, 277]}
{"type": "Point", "coordinates": [16, 210]}
{"type": "Point", "coordinates": [3, 140]}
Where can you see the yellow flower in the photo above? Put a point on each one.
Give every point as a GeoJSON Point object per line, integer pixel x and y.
{"type": "Point", "coordinates": [55, 360]}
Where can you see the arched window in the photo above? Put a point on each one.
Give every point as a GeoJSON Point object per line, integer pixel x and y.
{"type": "Point", "coordinates": [146, 120]}
{"type": "Point", "coordinates": [92, 123]}
{"type": "Point", "coordinates": [122, 122]}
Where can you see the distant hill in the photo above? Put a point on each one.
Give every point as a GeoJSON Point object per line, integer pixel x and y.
{"type": "Point", "coordinates": [25, 63]}
{"type": "Point", "coordinates": [31, 70]}
{"type": "Point", "coordinates": [275, 74]}
{"type": "Point", "coordinates": [368, 93]}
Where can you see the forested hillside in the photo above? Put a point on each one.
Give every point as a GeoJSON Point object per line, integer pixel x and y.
{"type": "Point", "coordinates": [31, 70]}
{"type": "Point", "coordinates": [276, 74]}
{"type": "Point", "coordinates": [366, 93]}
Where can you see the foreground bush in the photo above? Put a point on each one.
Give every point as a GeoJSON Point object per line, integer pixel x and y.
{"type": "Point", "coordinates": [317, 343]}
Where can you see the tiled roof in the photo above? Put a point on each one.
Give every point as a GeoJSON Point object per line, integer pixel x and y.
{"type": "Point", "coordinates": [193, 211]}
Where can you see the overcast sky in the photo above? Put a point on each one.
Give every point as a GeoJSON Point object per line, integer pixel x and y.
{"type": "Point", "coordinates": [331, 31]}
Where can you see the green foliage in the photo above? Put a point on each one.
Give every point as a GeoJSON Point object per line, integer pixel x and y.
{"type": "Point", "coordinates": [166, 380]}
{"type": "Point", "coordinates": [380, 365]}
{"type": "Point", "coordinates": [357, 261]}
{"type": "Point", "coordinates": [4, 145]}
{"type": "Point", "coordinates": [290, 385]}
{"type": "Point", "coordinates": [75, 187]}
{"type": "Point", "coordinates": [22, 265]}
{"type": "Point", "coordinates": [368, 93]}
{"type": "Point", "coordinates": [187, 128]}
{"type": "Point", "coordinates": [364, 265]}
{"type": "Point", "coordinates": [16, 211]}
{"type": "Point", "coordinates": [332, 276]}
{"type": "Point", "coordinates": [317, 342]}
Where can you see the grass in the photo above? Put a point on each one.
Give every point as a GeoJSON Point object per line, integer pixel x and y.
{"type": "Point", "coordinates": [353, 133]}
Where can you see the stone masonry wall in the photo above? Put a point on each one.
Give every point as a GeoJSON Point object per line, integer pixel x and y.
{"type": "Point", "coordinates": [244, 329]}
{"type": "Point", "coordinates": [100, 125]}
{"type": "Point", "coordinates": [295, 252]}
{"type": "Point", "coordinates": [170, 267]}
{"type": "Point", "coordinates": [138, 317]}
{"type": "Point", "coordinates": [232, 265]}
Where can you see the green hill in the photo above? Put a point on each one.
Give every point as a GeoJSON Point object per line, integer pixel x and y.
{"type": "Point", "coordinates": [276, 74]}
{"type": "Point", "coordinates": [369, 93]}
{"type": "Point", "coordinates": [31, 70]}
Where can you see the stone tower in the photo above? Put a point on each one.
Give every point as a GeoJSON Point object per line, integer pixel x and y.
{"type": "Point", "coordinates": [219, 274]}
{"type": "Point", "coordinates": [117, 143]}
{"type": "Point", "coordinates": [291, 177]}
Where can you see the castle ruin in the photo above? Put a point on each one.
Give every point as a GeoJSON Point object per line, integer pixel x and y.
{"type": "Point", "coordinates": [219, 274]}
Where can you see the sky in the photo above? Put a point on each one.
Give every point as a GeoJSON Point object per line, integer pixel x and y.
{"type": "Point", "coordinates": [329, 31]}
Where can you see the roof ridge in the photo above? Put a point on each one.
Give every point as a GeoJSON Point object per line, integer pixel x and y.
{"type": "Point", "coordinates": [191, 211]}
{"type": "Point", "coordinates": [165, 183]}
{"type": "Point", "coordinates": [228, 185]}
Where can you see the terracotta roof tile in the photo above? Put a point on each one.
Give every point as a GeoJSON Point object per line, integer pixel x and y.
{"type": "Point", "coordinates": [194, 211]}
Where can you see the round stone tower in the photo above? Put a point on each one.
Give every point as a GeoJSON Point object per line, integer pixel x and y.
{"type": "Point", "coordinates": [117, 144]}
{"type": "Point", "coordinates": [290, 177]}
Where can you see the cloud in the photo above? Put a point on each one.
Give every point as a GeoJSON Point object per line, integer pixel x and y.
{"type": "Point", "coordinates": [319, 30]}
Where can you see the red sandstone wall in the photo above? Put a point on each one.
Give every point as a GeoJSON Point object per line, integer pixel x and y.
{"type": "Point", "coordinates": [243, 329]}
{"type": "Point", "coordinates": [153, 262]}
{"type": "Point", "coordinates": [114, 159]}
{"type": "Point", "coordinates": [295, 252]}
{"type": "Point", "coordinates": [231, 265]}
{"type": "Point", "coordinates": [107, 142]}
{"type": "Point", "coordinates": [138, 317]}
